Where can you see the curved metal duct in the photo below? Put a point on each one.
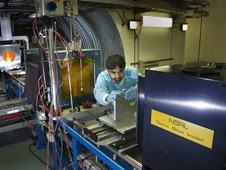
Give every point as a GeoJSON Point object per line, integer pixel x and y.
{"type": "Point", "coordinates": [97, 30]}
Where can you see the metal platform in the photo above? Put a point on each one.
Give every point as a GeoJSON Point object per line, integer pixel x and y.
{"type": "Point", "coordinates": [126, 124]}
{"type": "Point", "coordinates": [15, 114]}
{"type": "Point", "coordinates": [87, 114]}
{"type": "Point", "coordinates": [14, 106]}
{"type": "Point", "coordinates": [123, 119]}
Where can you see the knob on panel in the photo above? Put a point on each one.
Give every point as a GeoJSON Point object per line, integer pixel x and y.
{"type": "Point", "coordinates": [51, 6]}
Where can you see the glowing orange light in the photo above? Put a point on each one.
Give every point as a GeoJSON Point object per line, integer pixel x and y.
{"type": "Point", "coordinates": [8, 56]}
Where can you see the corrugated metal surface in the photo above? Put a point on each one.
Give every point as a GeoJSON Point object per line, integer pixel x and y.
{"type": "Point", "coordinates": [97, 30]}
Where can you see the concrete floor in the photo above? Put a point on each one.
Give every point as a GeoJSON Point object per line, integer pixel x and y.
{"type": "Point", "coordinates": [14, 150]}
{"type": "Point", "coordinates": [17, 156]}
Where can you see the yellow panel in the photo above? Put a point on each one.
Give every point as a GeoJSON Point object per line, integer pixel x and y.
{"type": "Point", "coordinates": [75, 74]}
{"type": "Point", "coordinates": [185, 129]}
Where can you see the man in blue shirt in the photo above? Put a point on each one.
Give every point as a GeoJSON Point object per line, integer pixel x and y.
{"type": "Point", "coordinates": [114, 80]}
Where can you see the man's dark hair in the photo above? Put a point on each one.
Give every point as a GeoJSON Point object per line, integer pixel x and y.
{"type": "Point", "coordinates": [114, 61]}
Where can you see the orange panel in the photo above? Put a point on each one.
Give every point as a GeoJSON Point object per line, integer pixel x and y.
{"type": "Point", "coordinates": [87, 75]}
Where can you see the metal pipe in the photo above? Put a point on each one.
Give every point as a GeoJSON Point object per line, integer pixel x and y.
{"type": "Point", "coordinates": [81, 74]}
{"type": "Point", "coordinates": [24, 38]}
{"type": "Point", "coordinates": [47, 47]}
{"type": "Point", "coordinates": [52, 69]}
{"type": "Point", "coordinates": [43, 67]}
{"type": "Point", "coordinates": [153, 61]}
{"type": "Point", "coordinates": [69, 81]}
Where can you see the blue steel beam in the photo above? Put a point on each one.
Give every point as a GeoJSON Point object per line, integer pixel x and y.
{"type": "Point", "coordinates": [111, 163]}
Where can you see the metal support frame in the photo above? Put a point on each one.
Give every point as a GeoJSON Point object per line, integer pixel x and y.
{"type": "Point", "coordinates": [41, 138]}
{"type": "Point", "coordinates": [52, 62]}
{"type": "Point", "coordinates": [12, 86]}
{"type": "Point", "coordinates": [14, 89]}
{"type": "Point", "coordinates": [16, 126]}
{"type": "Point", "coordinates": [76, 150]}
{"type": "Point", "coordinates": [23, 38]}
{"type": "Point", "coordinates": [78, 139]}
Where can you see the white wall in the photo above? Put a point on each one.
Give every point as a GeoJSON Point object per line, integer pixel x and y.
{"type": "Point", "coordinates": [192, 40]}
{"type": "Point", "coordinates": [213, 35]}
{"type": "Point", "coordinates": [127, 36]}
{"type": "Point", "coordinates": [154, 43]}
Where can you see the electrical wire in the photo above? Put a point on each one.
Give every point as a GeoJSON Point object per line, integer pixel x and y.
{"type": "Point", "coordinates": [61, 148]}
{"type": "Point", "coordinates": [171, 46]}
{"type": "Point", "coordinates": [136, 46]}
{"type": "Point", "coordinates": [98, 36]}
{"type": "Point", "coordinates": [124, 22]}
{"type": "Point", "coordinates": [200, 40]}
{"type": "Point", "coordinates": [83, 159]}
{"type": "Point", "coordinates": [44, 163]}
{"type": "Point", "coordinates": [97, 30]}
{"type": "Point", "coordinates": [34, 25]}
{"type": "Point", "coordinates": [39, 93]}
{"type": "Point", "coordinates": [49, 109]}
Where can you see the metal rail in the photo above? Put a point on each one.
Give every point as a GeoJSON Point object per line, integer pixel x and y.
{"type": "Point", "coordinates": [77, 139]}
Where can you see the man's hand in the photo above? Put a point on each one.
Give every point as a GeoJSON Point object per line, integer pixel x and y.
{"type": "Point", "coordinates": [131, 93]}
{"type": "Point", "coordinates": [111, 97]}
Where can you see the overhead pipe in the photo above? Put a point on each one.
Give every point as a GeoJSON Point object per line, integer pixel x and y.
{"type": "Point", "coordinates": [173, 7]}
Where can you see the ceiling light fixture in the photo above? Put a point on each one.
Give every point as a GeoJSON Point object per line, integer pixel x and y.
{"type": "Point", "coordinates": [134, 25]}
{"type": "Point", "coordinates": [184, 27]}
{"type": "Point", "coordinates": [152, 21]}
